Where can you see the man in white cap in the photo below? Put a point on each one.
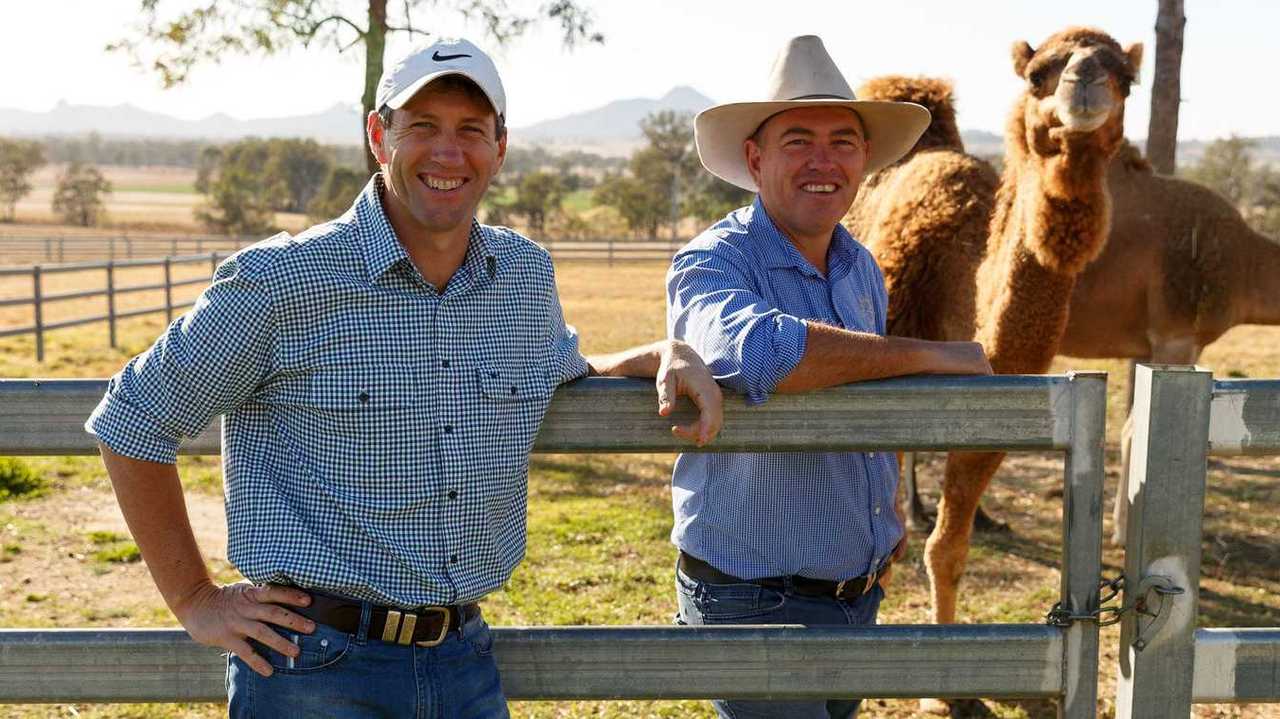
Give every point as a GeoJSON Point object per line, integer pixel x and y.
{"type": "Point", "coordinates": [382, 377]}
{"type": "Point", "coordinates": [778, 297]}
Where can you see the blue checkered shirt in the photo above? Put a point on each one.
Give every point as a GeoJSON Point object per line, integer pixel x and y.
{"type": "Point", "coordinates": [740, 294]}
{"type": "Point", "coordinates": [376, 433]}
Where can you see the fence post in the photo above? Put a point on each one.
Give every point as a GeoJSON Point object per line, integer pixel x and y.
{"type": "Point", "coordinates": [213, 264]}
{"type": "Point", "coordinates": [62, 249]}
{"type": "Point", "coordinates": [1082, 537]}
{"type": "Point", "coordinates": [111, 301]}
{"type": "Point", "coordinates": [168, 290]}
{"type": "Point", "coordinates": [1165, 497]}
{"type": "Point", "coordinates": [611, 252]}
{"type": "Point", "coordinates": [199, 245]}
{"type": "Point", "coordinates": [128, 247]}
{"type": "Point", "coordinates": [173, 246]}
{"type": "Point", "coordinates": [111, 247]}
{"type": "Point", "coordinates": [37, 303]}
{"type": "Point", "coordinates": [48, 249]}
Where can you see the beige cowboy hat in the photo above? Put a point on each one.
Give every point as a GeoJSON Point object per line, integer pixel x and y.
{"type": "Point", "coordinates": [804, 75]}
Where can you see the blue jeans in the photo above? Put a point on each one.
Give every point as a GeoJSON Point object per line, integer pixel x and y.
{"type": "Point", "coordinates": [705, 603]}
{"type": "Point", "coordinates": [355, 675]}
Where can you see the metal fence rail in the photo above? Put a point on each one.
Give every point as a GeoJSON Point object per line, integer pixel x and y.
{"type": "Point", "coordinates": [597, 415]}
{"type": "Point", "coordinates": [1181, 416]}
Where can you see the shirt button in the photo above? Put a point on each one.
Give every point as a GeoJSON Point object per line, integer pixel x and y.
{"type": "Point", "coordinates": [444, 363]}
{"type": "Point", "coordinates": [448, 429]}
{"type": "Point", "coordinates": [453, 494]}
{"type": "Point", "coordinates": [877, 510]}
{"type": "Point", "coordinates": [363, 396]}
{"type": "Point", "coordinates": [453, 559]}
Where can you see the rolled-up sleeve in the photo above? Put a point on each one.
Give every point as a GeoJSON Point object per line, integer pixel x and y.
{"type": "Point", "coordinates": [567, 362]}
{"type": "Point", "coordinates": [205, 364]}
{"type": "Point", "coordinates": [713, 304]}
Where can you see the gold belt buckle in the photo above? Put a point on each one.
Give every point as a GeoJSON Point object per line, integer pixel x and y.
{"type": "Point", "coordinates": [400, 625]}
{"type": "Point", "coordinates": [871, 581]}
{"type": "Point", "coordinates": [444, 627]}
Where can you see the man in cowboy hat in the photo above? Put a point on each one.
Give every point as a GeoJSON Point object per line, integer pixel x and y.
{"type": "Point", "coordinates": [382, 378]}
{"type": "Point", "coordinates": [778, 297]}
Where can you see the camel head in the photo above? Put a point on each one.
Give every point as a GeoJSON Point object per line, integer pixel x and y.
{"type": "Point", "coordinates": [1077, 83]}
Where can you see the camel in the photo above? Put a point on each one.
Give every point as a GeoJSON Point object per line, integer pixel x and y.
{"type": "Point", "coordinates": [1181, 267]}
{"type": "Point", "coordinates": [1050, 218]}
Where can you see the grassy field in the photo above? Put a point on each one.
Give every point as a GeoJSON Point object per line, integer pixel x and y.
{"type": "Point", "coordinates": [598, 524]}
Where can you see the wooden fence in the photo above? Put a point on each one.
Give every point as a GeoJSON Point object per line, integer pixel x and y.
{"type": "Point", "coordinates": [608, 251]}
{"type": "Point", "coordinates": [39, 299]}
{"type": "Point", "coordinates": [1166, 664]}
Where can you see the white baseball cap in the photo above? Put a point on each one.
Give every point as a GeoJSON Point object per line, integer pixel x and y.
{"type": "Point", "coordinates": [400, 82]}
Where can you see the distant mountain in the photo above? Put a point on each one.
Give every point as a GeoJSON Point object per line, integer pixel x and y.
{"type": "Point", "coordinates": [618, 121]}
{"type": "Point", "coordinates": [339, 124]}
{"type": "Point", "coordinates": [613, 129]}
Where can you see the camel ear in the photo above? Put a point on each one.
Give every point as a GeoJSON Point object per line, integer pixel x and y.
{"type": "Point", "coordinates": [1134, 52]}
{"type": "Point", "coordinates": [1022, 54]}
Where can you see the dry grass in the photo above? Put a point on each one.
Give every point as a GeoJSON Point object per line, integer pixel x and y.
{"type": "Point", "coordinates": [598, 551]}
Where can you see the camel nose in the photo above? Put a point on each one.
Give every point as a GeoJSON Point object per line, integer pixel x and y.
{"type": "Point", "coordinates": [1083, 69]}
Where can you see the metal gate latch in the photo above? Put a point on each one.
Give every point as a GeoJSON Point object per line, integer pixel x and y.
{"type": "Point", "coordinates": [1163, 587]}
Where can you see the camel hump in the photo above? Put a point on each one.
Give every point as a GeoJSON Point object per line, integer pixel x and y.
{"type": "Point", "coordinates": [934, 93]}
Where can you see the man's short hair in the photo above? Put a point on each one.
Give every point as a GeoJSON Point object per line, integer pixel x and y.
{"type": "Point", "coordinates": [457, 83]}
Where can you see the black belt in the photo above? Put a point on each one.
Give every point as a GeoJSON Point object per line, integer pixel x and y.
{"type": "Point", "coordinates": [846, 590]}
{"type": "Point", "coordinates": [424, 626]}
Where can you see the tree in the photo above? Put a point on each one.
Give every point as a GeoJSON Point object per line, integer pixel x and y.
{"type": "Point", "coordinates": [670, 136]}
{"type": "Point", "coordinates": [643, 205]}
{"type": "Point", "coordinates": [1227, 167]}
{"type": "Point", "coordinates": [538, 195]}
{"type": "Point", "coordinates": [237, 187]}
{"type": "Point", "coordinates": [337, 194]}
{"type": "Point", "coordinates": [18, 159]}
{"type": "Point", "coordinates": [78, 197]}
{"type": "Point", "coordinates": [295, 171]}
{"type": "Point", "coordinates": [174, 45]}
{"type": "Point", "coordinates": [1166, 87]}
{"type": "Point", "coordinates": [711, 198]}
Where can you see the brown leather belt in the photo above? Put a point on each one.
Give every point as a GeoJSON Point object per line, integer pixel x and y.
{"type": "Point", "coordinates": [424, 626]}
{"type": "Point", "coordinates": [847, 590]}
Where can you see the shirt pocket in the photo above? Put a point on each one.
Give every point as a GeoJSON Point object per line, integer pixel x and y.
{"type": "Point", "coordinates": [513, 401]}
{"type": "Point", "coordinates": [364, 422]}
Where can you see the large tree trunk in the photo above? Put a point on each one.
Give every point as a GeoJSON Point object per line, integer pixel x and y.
{"type": "Point", "coordinates": [375, 42]}
{"type": "Point", "coordinates": [1166, 87]}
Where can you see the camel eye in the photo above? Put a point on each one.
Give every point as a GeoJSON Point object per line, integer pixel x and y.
{"type": "Point", "coordinates": [1037, 77]}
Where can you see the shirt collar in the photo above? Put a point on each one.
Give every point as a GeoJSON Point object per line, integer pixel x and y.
{"type": "Point", "coordinates": [382, 249]}
{"type": "Point", "coordinates": [777, 251]}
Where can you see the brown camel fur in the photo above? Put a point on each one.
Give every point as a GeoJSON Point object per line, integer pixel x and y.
{"type": "Point", "coordinates": [1181, 267]}
{"type": "Point", "coordinates": [1050, 219]}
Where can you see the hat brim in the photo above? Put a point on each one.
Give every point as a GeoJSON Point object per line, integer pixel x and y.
{"type": "Point", "coordinates": [892, 129]}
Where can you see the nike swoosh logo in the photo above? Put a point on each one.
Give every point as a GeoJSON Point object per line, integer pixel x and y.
{"type": "Point", "coordinates": [441, 58]}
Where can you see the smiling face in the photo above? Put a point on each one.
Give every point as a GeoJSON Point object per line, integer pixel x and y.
{"type": "Point", "coordinates": [808, 163]}
{"type": "Point", "coordinates": [438, 155]}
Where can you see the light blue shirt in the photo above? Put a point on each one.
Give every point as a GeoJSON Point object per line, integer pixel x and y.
{"type": "Point", "coordinates": [376, 432]}
{"type": "Point", "coordinates": [740, 294]}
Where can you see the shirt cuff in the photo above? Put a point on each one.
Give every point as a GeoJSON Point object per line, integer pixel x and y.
{"type": "Point", "coordinates": [129, 432]}
{"type": "Point", "coordinates": [789, 341]}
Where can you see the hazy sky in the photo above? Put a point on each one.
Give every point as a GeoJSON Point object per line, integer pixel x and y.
{"type": "Point", "coordinates": [53, 51]}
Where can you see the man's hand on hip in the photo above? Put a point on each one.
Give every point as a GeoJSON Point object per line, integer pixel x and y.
{"type": "Point", "coordinates": [228, 616]}
{"type": "Point", "coordinates": [682, 372]}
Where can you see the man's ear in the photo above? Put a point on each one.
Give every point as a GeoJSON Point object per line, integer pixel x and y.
{"type": "Point", "coordinates": [752, 150]}
{"type": "Point", "coordinates": [502, 151]}
{"type": "Point", "coordinates": [376, 132]}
